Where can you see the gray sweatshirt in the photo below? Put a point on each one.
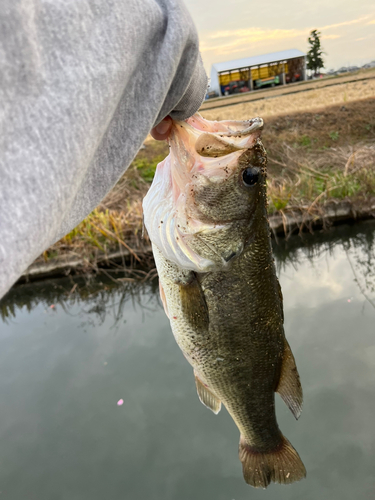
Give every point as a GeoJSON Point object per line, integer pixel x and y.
{"type": "Point", "coordinates": [82, 82]}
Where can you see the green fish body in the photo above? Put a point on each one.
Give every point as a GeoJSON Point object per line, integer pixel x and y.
{"type": "Point", "coordinates": [207, 220]}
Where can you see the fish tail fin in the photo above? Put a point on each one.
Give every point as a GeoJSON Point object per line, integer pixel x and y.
{"type": "Point", "coordinates": [282, 465]}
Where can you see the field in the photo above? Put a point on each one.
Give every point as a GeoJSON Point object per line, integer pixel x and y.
{"type": "Point", "coordinates": [301, 97]}
{"type": "Point", "coordinates": [291, 89]}
{"type": "Point", "coordinates": [320, 145]}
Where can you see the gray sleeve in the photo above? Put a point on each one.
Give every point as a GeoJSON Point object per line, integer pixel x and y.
{"type": "Point", "coordinates": [82, 83]}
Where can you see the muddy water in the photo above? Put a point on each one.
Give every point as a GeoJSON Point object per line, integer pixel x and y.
{"type": "Point", "coordinates": [97, 402]}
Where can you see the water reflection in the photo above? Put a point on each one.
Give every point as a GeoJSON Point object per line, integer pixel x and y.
{"type": "Point", "coordinates": [356, 245]}
{"type": "Point", "coordinates": [63, 369]}
{"type": "Point", "coordinates": [95, 294]}
{"type": "Point", "coordinates": [110, 291]}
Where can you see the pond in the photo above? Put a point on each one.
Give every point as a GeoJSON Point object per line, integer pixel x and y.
{"type": "Point", "coordinates": [98, 402]}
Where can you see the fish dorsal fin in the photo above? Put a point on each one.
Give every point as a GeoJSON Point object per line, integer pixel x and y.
{"type": "Point", "coordinates": [289, 386]}
{"type": "Point", "coordinates": [207, 397]}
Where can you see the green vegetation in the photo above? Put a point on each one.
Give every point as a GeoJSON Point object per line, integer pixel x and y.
{"type": "Point", "coordinates": [305, 141]}
{"type": "Point", "coordinates": [146, 167]}
{"type": "Point", "coordinates": [334, 135]}
{"type": "Point", "coordinates": [315, 53]}
{"type": "Point", "coordinates": [310, 190]}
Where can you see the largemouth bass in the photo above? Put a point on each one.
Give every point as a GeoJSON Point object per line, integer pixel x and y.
{"type": "Point", "coordinates": [206, 215]}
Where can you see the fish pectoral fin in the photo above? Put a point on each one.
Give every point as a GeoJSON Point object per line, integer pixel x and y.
{"type": "Point", "coordinates": [289, 386]}
{"type": "Point", "coordinates": [193, 304]}
{"type": "Point", "coordinates": [207, 397]}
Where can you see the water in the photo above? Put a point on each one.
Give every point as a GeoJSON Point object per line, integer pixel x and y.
{"type": "Point", "coordinates": [63, 370]}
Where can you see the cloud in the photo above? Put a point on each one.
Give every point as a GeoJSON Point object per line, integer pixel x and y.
{"type": "Point", "coordinates": [345, 23]}
{"type": "Point", "coordinates": [364, 38]}
{"type": "Point", "coordinates": [230, 41]}
{"type": "Point", "coordinates": [236, 43]}
{"type": "Point", "coordinates": [240, 39]}
{"type": "Point", "coordinates": [256, 33]}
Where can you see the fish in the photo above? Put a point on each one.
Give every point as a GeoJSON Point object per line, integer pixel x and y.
{"type": "Point", "coordinates": [206, 216]}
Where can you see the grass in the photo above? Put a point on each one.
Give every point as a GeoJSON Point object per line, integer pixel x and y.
{"type": "Point", "coordinates": [321, 155]}
{"type": "Point", "coordinates": [147, 168]}
{"type": "Point", "coordinates": [320, 146]}
{"type": "Point", "coordinates": [116, 224]}
{"type": "Point", "coordinates": [305, 191]}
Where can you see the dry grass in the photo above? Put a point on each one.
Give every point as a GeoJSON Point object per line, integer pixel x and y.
{"type": "Point", "coordinates": [350, 175]}
{"type": "Point", "coordinates": [293, 103]}
{"type": "Point", "coordinates": [115, 225]}
{"type": "Point", "coordinates": [318, 156]}
{"type": "Point", "coordinates": [320, 145]}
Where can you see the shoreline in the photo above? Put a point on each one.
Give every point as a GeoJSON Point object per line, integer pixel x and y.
{"type": "Point", "coordinates": [282, 226]}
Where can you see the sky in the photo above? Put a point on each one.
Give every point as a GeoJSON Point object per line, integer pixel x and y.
{"type": "Point", "coordinates": [232, 29]}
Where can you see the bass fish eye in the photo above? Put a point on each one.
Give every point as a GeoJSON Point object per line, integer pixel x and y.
{"type": "Point", "coordinates": [250, 176]}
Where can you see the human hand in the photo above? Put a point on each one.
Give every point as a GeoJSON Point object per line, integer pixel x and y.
{"type": "Point", "coordinates": [162, 130]}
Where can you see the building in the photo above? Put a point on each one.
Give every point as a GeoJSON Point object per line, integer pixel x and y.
{"type": "Point", "coordinates": [254, 72]}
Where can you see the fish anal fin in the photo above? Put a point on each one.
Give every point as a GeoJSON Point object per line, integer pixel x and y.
{"type": "Point", "coordinates": [207, 397]}
{"type": "Point", "coordinates": [193, 304]}
{"type": "Point", "coordinates": [289, 386]}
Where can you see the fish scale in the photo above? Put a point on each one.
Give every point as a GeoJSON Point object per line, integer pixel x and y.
{"type": "Point", "coordinates": [225, 305]}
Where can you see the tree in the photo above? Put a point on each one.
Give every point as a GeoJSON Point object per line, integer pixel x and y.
{"type": "Point", "coordinates": [314, 55]}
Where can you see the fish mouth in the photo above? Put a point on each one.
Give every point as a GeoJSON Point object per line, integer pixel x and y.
{"type": "Point", "coordinates": [221, 140]}
{"type": "Point", "coordinates": [226, 128]}
{"type": "Point", "coordinates": [196, 139]}
{"type": "Point", "coordinates": [254, 124]}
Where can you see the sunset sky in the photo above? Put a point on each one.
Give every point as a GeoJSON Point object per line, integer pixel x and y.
{"type": "Point", "coordinates": [231, 29]}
